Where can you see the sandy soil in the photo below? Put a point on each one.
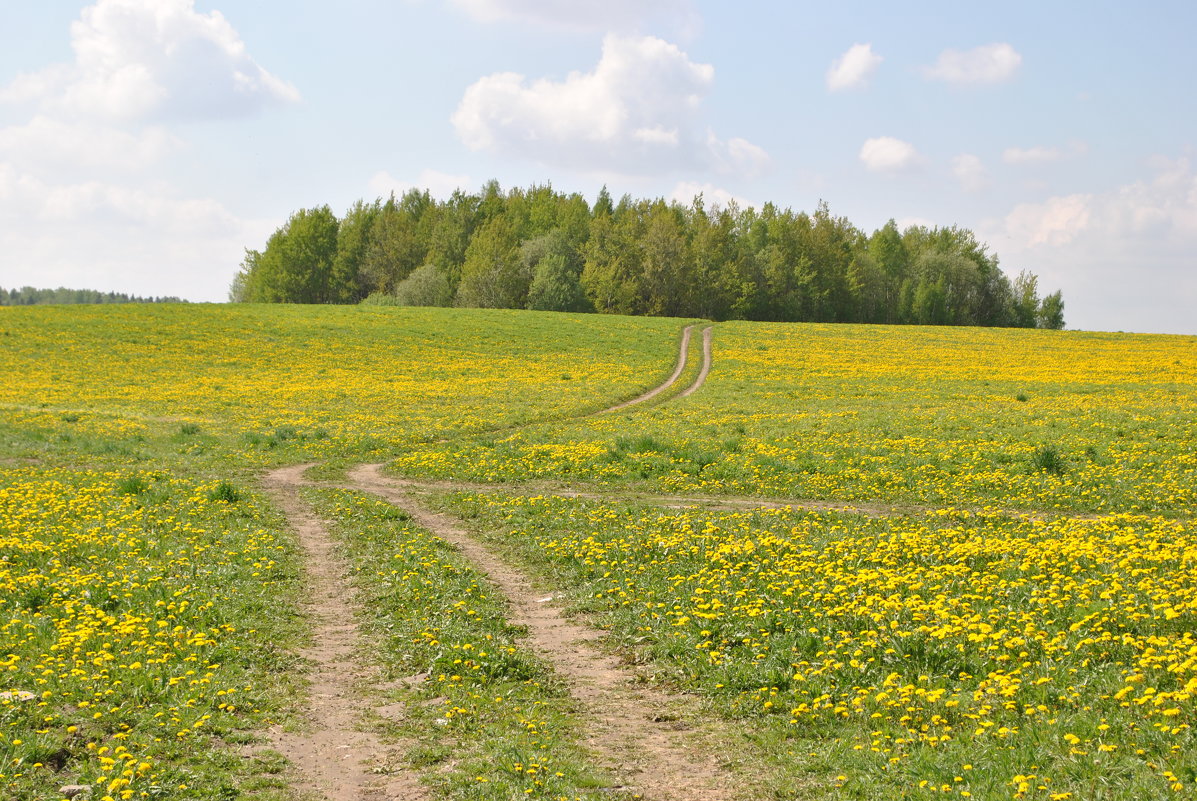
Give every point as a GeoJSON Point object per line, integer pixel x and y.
{"type": "Point", "coordinates": [335, 760]}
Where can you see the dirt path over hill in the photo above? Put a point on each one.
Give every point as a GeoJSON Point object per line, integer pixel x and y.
{"type": "Point", "coordinates": [707, 333]}
{"type": "Point", "coordinates": [669, 382]}
{"type": "Point", "coordinates": [642, 735]}
{"type": "Point", "coordinates": [714, 503]}
{"type": "Point", "coordinates": [334, 759]}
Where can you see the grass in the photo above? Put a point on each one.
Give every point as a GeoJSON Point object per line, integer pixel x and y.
{"type": "Point", "coordinates": [485, 718]}
{"type": "Point", "coordinates": [908, 653]}
{"type": "Point", "coordinates": [903, 415]}
{"type": "Point", "coordinates": [145, 584]}
{"type": "Point", "coordinates": [131, 439]}
{"type": "Point", "coordinates": [139, 677]}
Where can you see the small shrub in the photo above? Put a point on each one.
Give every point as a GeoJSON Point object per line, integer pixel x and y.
{"type": "Point", "coordinates": [1049, 460]}
{"type": "Point", "coordinates": [69, 417]}
{"type": "Point", "coordinates": [641, 444]}
{"type": "Point", "coordinates": [224, 491]}
{"type": "Point", "coordinates": [1021, 397]}
{"type": "Point", "coordinates": [189, 429]}
{"type": "Point", "coordinates": [132, 485]}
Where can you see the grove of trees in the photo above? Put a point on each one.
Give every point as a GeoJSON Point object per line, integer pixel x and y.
{"type": "Point", "coordinates": [29, 296]}
{"type": "Point", "coordinates": [537, 248]}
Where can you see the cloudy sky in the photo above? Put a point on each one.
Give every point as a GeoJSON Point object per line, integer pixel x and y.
{"type": "Point", "coordinates": [144, 144]}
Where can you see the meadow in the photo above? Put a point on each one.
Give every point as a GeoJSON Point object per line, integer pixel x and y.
{"type": "Point", "coordinates": [1004, 606]}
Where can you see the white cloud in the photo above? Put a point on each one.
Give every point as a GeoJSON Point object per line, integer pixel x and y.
{"type": "Point", "coordinates": [887, 154]}
{"type": "Point", "coordinates": [737, 156]}
{"type": "Point", "coordinates": [712, 195]}
{"type": "Point", "coordinates": [144, 240]}
{"type": "Point", "coordinates": [601, 15]}
{"type": "Point", "coordinates": [59, 147]}
{"type": "Point", "coordinates": [914, 222]}
{"type": "Point", "coordinates": [1056, 221]}
{"type": "Point", "coordinates": [152, 60]}
{"type": "Point", "coordinates": [638, 110]}
{"type": "Point", "coordinates": [970, 172]}
{"type": "Point", "coordinates": [853, 69]}
{"type": "Point", "coordinates": [439, 184]}
{"type": "Point", "coordinates": [1123, 257]}
{"type": "Point", "coordinates": [656, 135]}
{"type": "Point", "coordinates": [991, 63]}
{"type": "Point", "coordinates": [1030, 155]}
{"type": "Point", "coordinates": [1039, 154]}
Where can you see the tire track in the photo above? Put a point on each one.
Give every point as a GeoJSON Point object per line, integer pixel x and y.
{"type": "Point", "coordinates": [639, 733]}
{"type": "Point", "coordinates": [715, 503]}
{"type": "Point", "coordinates": [669, 382]}
{"type": "Point", "coordinates": [333, 757]}
{"type": "Point", "coordinates": [706, 363]}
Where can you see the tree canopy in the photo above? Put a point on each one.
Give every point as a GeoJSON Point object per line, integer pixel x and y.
{"type": "Point", "coordinates": [538, 248]}
{"type": "Point", "coordinates": [31, 296]}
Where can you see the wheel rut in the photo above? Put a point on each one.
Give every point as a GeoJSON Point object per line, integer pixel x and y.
{"type": "Point", "coordinates": [335, 760]}
{"type": "Point", "coordinates": [679, 368]}
{"type": "Point", "coordinates": [639, 733]}
{"type": "Point", "coordinates": [707, 334]}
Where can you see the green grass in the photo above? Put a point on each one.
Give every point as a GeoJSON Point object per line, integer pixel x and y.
{"type": "Point", "coordinates": [131, 439]}
{"type": "Point", "coordinates": [906, 415]}
{"type": "Point", "coordinates": [901, 654]}
{"type": "Point", "coordinates": [159, 421]}
{"type": "Point", "coordinates": [485, 718]}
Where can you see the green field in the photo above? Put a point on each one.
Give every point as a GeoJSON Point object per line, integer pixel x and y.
{"type": "Point", "coordinates": [869, 561]}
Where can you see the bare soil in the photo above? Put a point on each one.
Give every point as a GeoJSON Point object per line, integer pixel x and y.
{"type": "Point", "coordinates": [335, 760]}
{"type": "Point", "coordinates": [707, 334]}
{"type": "Point", "coordinates": [641, 734]}
{"type": "Point", "coordinates": [669, 382]}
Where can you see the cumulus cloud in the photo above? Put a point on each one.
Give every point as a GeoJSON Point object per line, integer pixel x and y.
{"type": "Point", "coordinates": [54, 146]}
{"type": "Point", "coordinates": [991, 63]}
{"type": "Point", "coordinates": [601, 15]}
{"type": "Point", "coordinates": [887, 154]}
{"type": "Point", "coordinates": [1123, 257]}
{"type": "Point", "coordinates": [1042, 155]}
{"type": "Point", "coordinates": [440, 185]}
{"type": "Point", "coordinates": [152, 60]}
{"type": "Point", "coordinates": [712, 195]}
{"type": "Point", "coordinates": [1056, 221]}
{"type": "Point", "coordinates": [110, 236]}
{"type": "Point", "coordinates": [853, 69]}
{"type": "Point", "coordinates": [970, 171]}
{"type": "Point", "coordinates": [638, 110]}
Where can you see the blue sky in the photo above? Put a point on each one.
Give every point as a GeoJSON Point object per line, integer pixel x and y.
{"type": "Point", "coordinates": [144, 144]}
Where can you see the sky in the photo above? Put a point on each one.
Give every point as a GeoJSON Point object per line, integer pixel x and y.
{"type": "Point", "coordinates": [145, 144]}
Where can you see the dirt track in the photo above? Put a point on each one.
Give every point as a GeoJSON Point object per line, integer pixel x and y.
{"type": "Point", "coordinates": [639, 734]}
{"type": "Point", "coordinates": [333, 758]}
{"type": "Point", "coordinates": [683, 353]}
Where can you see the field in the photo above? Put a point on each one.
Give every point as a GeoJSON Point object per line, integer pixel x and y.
{"type": "Point", "coordinates": [858, 562]}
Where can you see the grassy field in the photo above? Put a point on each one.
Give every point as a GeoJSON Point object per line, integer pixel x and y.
{"type": "Point", "coordinates": [1008, 613]}
{"type": "Point", "coordinates": [1036, 420]}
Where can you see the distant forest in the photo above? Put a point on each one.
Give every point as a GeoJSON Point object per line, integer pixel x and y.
{"type": "Point", "coordinates": [28, 296]}
{"type": "Point", "coordinates": [537, 248]}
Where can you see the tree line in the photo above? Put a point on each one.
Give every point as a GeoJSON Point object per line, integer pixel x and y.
{"type": "Point", "coordinates": [30, 296]}
{"type": "Point", "coordinates": [537, 248]}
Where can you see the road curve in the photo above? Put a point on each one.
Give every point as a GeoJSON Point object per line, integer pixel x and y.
{"type": "Point", "coordinates": [677, 372]}
{"type": "Point", "coordinates": [707, 333]}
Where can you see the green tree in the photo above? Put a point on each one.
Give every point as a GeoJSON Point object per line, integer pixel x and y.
{"type": "Point", "coordinates": [493, 275]}
{"type": "Point", "coordinates": [296, 265]}
{"type": "Point", "coordinates": [346, 282]}
{"type": "Point", "coordinates": [1051, 311]}
{"type": "Point", "coordinates": [556, 287]}
{"type": "Point", "coordinates": [426, 286]}
{"type": "Point", "coordinates": [1025, 302]}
